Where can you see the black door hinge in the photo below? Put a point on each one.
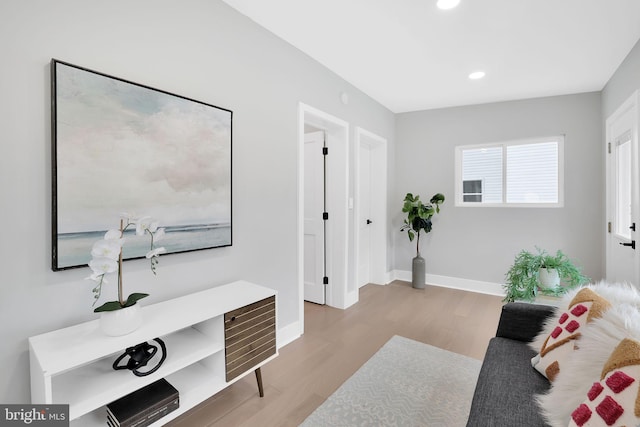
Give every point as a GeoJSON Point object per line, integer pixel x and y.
{"type": "Point", "coordinates": [325, 280]}
{"type": "Point", "coordinates": [325, 151]}
{"type": "Point", "coordinates": [325, 215]}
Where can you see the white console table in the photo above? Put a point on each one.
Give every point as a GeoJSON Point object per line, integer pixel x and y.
{"type": "Point", "coordinates": [204, 354]}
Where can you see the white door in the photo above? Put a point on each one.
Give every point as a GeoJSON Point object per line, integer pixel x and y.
{"type": "Point", "coordinates": [623, 262]}
{"type": "Point", "coordinates": [364, 220]}
{"type": "Point", "coordinates": [314, 244]}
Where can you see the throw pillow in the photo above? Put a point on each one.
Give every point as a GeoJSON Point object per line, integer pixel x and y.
{"type": "Point", "coordinates": [612, 292]}
{"type": "Point", "coordinates": [596, 344]}
{"type": "Point", "coordinates": [558, 346]}
{"type": "Point", "coordinates": [615, 399]}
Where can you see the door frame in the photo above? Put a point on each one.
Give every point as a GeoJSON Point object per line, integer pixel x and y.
{"type": "Point", "coordinates": [631, 104]}
{"type": "Point", "coordinates": [337, 140]}
{"type": "Point", "coordinates": [378, 181]}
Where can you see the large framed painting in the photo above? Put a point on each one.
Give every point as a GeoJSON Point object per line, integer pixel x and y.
{"type": "Point", "coordinates": [119, 146]}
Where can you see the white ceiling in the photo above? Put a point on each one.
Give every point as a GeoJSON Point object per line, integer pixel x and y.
{"type": "Point", "coordinates": [408, 55]}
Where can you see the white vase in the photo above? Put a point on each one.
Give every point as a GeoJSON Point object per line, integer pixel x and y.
{"type": "Point", "coordinates": [121, 322]}
{"type": "Point", "coordinates": [548, 278]}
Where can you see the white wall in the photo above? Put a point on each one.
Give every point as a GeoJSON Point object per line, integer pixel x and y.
{"type": "Point", "coordinates": [200, 49]}
{"type": "Point", "coordinates": [480, 243]}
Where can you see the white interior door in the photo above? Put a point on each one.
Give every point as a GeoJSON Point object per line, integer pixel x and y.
{"type": "Point", "coordinates": [314, 244]}
{"type": "Point", "coordinates": [623, 262]}
{"type": "Point", "coordinates": [364, 220]}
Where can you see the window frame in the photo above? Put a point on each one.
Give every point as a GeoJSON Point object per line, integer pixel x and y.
{"type": "Point", "coordinates": [481, 193]}
{"type": "Point", "coordinates": [558, 139]}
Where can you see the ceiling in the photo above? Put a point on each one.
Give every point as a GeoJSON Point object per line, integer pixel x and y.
{"type": "Point", "coordinates": [409, 55]}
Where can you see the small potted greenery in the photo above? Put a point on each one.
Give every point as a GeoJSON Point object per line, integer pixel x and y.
{"type": "Point", "coordinates": [542, 273]}
{"type": "Point", "coordinates": [419, 219]}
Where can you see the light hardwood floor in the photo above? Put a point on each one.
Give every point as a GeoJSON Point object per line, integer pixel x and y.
{"type": "Point", "coordinates": [337, 342]}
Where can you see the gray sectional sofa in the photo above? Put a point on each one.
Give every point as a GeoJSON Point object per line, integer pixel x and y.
{"type": "Point", "coordinates": [507, 383]}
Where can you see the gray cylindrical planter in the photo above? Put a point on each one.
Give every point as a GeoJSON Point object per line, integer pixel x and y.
{"type": "Point", "coordinates": [417, 272]}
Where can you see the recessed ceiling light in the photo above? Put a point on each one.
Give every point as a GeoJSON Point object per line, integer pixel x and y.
{"type": "Point", "coordinates": [476, 75]}
{"type": "Point", "coordinates": [447, 4]}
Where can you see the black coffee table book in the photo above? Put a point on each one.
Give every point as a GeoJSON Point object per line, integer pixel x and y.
{"type": "Point", "coordinates": [144, 406]}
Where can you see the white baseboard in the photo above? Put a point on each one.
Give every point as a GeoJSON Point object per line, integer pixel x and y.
{"type": "Point", "coordinates": [478, 286]}
{"type": "Point", "coordinates": [288, 334]}
{"type": "Point", "coordinates": [291, 332]}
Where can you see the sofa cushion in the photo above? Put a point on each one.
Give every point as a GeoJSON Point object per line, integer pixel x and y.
{"type": "Point", "coordinates": [559, 344]}
{"type": "Point", "coordinates": [590, 363]}
{"type": "Point", "coordinates": [504, 394]}
{"type": "Point", "coordinates": [523, 321]}
{"type": "Point", "coordinates": [615, 399]}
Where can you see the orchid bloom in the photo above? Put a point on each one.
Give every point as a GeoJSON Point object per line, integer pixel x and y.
{"type": "Point", "coordinates": [144, 224]}
{"type": "Point", "coordinates": [158, 235]}
{"type": "Point", "coordinates": [106, 253]}
{"type": "Point", "coordinates": [106, 249]}
{"type": "Point", "coordinates": [103, 265]}
{"type": "Point", "coordinates": [96, 277]}
{"type": "Point", "coordinates": [155, 252]}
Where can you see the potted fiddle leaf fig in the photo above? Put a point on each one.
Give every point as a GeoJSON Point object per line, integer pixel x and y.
{"type": "Point", "coordinates": [418, 219]}
{"type": "Point", "coordinates": [541, 273]}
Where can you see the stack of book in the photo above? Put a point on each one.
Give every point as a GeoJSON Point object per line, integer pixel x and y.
{"type": "Point", "coordinates": [144, 406]}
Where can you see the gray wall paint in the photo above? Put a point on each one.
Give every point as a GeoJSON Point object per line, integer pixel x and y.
{"type": "Point", "coordinates": [480, 243]}
{"type": "Point", "coordinates": [200, 49]}
{"type": "Point", "coordinates": [624, 81]}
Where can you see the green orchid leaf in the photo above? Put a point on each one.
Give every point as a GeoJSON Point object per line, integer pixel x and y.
{"type": "Point", "coordinates": [108, 306]}
{"type": "Point", "coordinates": [133, 298]}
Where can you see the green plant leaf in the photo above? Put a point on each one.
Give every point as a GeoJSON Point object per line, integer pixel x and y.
{"type": "Point", "coordinates": [522, 279]}
{"type": "Point", "coordinates": [437, 198]}
{"type": "Point", "coordinates": [133, 298]}
{"type": "Point", "coordinates": [108, 306]}
{"type": "Point", "coordinates": [115, 305]}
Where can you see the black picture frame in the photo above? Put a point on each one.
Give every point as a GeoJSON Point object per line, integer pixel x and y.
{"type": "Point", "coordinates": [120, 146]}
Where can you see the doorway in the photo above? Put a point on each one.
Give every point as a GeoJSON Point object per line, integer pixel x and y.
{"type": "Point", "coordinates": [336, 225]}
{"type": "Point", "coordinates": [314, 224]}
{"type": "Point", "coordinates": [371, 208]}
{"type": "Point", "coordinates": [623, 201]}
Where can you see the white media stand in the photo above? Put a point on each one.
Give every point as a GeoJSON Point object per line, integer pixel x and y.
{"type": "Point", "coordinates": [73, 365]}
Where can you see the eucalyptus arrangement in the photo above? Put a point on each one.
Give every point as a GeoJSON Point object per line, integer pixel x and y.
{"type": "Point", "coordinates": [107, 258]}
{"type": "Point", "coordinates": [523, 278]}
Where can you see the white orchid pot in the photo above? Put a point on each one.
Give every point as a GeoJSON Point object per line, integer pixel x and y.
{"type": "Point", "coordinates": [121, 322]}
{"type": "Point", "coordinates": [548, 278]}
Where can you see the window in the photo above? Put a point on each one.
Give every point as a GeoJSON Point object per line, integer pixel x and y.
{"type": "Point", "coordinates": [472, 190]}
{"type": "Point", "coordinates": [622, 148]}
{"type": "Point", "coordinates": [515, 173]}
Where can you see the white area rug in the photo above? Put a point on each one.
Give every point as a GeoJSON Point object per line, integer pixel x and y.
{"type": "Point", "coordinates": [406, 383]}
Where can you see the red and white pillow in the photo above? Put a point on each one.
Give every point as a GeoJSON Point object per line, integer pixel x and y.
{"type": "Point", "coordinates": [574, 385]}
{"type": "Point", "coordinates": [615, 399]}
{"type": "Point", "coordinates": [566, 328]}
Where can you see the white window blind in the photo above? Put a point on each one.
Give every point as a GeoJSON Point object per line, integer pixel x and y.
{"type": "Point", "coordinates": [484, 164]}
{"type": "Point", "coordinates": [514, 173]}
{"type": "Point", "coordinates": [532, 173]}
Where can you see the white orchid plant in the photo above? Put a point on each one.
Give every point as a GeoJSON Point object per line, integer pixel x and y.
{"type": "Point", "coordinates": [106, 257]}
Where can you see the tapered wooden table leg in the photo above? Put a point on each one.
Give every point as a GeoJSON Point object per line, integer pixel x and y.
{"type": "Point", "coordinates": [259, 379]}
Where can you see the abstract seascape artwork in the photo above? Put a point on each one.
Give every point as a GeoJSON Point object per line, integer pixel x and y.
{"type": "Point", "coordinates": [120, 147]}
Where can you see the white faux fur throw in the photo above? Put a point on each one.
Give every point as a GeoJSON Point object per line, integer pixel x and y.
{"type": "Point", "coordinates": [597, 342]}
{"type": "Point", "coordinates": [613, 292]}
